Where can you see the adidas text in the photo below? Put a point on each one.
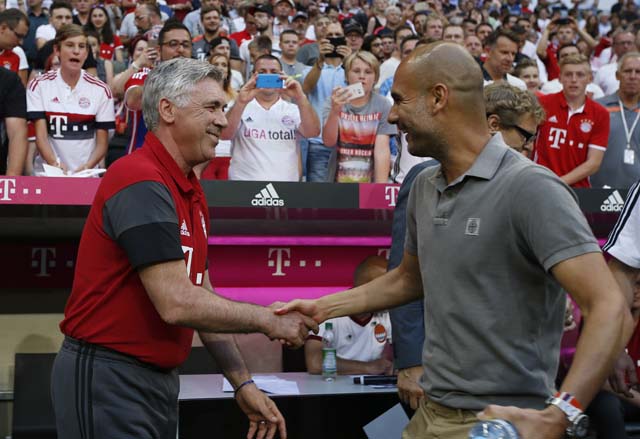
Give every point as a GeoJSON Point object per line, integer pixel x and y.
{"type": "Point", "coordinates": [613, 203]}
{"type": "Point", "coordinates": [267, 197]}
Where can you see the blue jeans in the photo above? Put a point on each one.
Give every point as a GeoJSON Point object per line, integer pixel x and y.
{"type": "Point", "coordinates": [320, 163]}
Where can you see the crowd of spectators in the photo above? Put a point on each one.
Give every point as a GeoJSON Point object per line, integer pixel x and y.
{"type": "Point", "coordinates": [74, 102]}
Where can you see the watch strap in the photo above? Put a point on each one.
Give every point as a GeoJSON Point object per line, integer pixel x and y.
{"type": "Point", "coordinates": [568, 397]}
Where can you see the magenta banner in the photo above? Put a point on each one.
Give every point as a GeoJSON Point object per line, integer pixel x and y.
{"type": "Point", "coordinates": [378, 196]}
{"type": "Point", "coordinates": [48, 190]}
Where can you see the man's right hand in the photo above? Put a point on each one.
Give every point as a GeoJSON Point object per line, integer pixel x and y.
{"type": "Point", "coordinates": [305, 306]}
{"type": "Point", "coordinates": [409, 390]}
{"type": "Point", "coordinates": [291, 328]}
{"type": "Point", "coordinates": [381, 366]}
{"type": "Point", "coordinates": [248, 91]}
{"type": "Point", "coordinates": [147, 58]}
{"type": "Point", "coordinates": [624, 376]}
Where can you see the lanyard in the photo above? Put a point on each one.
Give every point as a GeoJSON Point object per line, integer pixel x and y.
{"type": "Point", "coordinates": [628, 133]}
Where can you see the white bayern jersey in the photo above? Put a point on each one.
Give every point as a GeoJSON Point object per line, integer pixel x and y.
{"type": "Point", "coordinates": [360, 342]}
{"type": "Point", "coordinates": [72, 115]}
{"type": "Point", "coordinates": [265, 146]}
{"type": "Point", "coordinates": [624, 240]}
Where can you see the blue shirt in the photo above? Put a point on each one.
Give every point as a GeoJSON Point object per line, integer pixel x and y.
{"type": "Point", "coordinates": [330, 77]}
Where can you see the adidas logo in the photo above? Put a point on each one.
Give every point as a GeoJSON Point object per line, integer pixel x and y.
{"type": "Point", "coordinates": [55, 100]}
{"type": "Point", "coordinates": [613, 203]}
{"type": "Point", "coordinates": [267, 197]}
{"type": "Point", "coordinates": [553, 119]}
{"type": "Point", "coordinates": [183, 229]}
{"type": "Point", "coordinates": [248, 119]}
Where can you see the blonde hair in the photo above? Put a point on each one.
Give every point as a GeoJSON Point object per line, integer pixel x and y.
{"type": "Point", "coordinates": [576, 58]}
{"type": "Point", "coordinates": [367, 58]}
{"type": "Point", "coordinates": [510, 103]}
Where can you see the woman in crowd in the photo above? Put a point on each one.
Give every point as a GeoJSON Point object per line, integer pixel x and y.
{"type": "Point", "coordinates": [104, 66]}
{"type": "Point", "coordinates": [218, 168]}
{"type": "Point", "coordinates": [110, 45]}
{"type": "Point", "coordinates": [222, 46]}
{"type": "Point", "coordinates": [377, 19]}
{"type": "Point", "coordinates": [357, 124]}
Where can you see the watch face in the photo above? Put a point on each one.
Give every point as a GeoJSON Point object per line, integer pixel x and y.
{"type": "Point", "coordinates": [581, 427]}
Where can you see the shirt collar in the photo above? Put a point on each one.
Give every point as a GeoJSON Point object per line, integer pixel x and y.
{"type": "Point", "coordinates": [565, 105]}
{"type": "Point", "coordinates": [186, 184]}
{"type": "Point", "coordinates": [485, 166]}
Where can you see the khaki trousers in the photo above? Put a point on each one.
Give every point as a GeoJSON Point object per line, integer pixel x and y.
{"type": "Point", "coordinates": [435, 421]}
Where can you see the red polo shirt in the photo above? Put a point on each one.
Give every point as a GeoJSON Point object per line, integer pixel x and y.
{"type": "Point", "coordinates": [146, 211]}
{"type": "Point", "coordinates": [564, 141]}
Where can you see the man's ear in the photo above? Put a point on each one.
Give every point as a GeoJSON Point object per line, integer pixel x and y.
{"type": "Point", "coordinates": [493, 121]}
{"type": "Point", "coordinates": [439, 97]}
{"type": "Point", "coordinates": [167, 111]}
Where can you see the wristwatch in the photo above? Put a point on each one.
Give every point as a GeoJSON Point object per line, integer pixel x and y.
{"type": "Point", "coordinates": [579, 422]}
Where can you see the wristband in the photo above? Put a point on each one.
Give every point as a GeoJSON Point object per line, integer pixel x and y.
{"type": "Point", "coordinates": [570, 399]}
{"type": "Point", "coordinates": [235, 392]}
{"type": "Point", "coordinates": [134, 66]}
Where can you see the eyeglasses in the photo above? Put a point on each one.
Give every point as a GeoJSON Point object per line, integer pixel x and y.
{"type": "Point", "coordinates": [529, 137]}
{"type": "Point", "coordinates": [174, 44]}
{"type": "Point", "coordinates": [19, 35]}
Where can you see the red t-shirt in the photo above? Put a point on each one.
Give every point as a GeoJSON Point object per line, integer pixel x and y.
{"type": "Point", "coordinates": [551, 62]}
{"type": "Point", "coordinates": [563, 143]}
{"type": "Point", "coordinates": [146, 211]}
{"type": "Point", "coordinates": [108, 51]}
{"type": "Point", "coordinates": [10, 60]}
{"type": "Point", "coordinates": [182, 12]}
{"type": "Point", "coordinates": [138, 127]}
{"type": "Point", "coordinates": [241, 36]}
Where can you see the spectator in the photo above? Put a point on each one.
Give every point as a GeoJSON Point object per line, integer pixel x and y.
{"type": "Point", "coordinates": [110, 44]}
{"type": "Point", "coordinates": [554, 86]}
{"type": "Point", "coordinates": [283, 10]}
{"type": "Point", "coordinates": [14, 26]}
{"type": "Point", "coordinates": [326, 74]}
{"type": "Point", "coordinates": [310, 53]}
{"type": "Point", "coordinates": [264, 26]}
{"type": "Point", "coordinates": [250, 29]}
{"type": "Point", "coordinates": [82, 11]}
{"type": "Point", "coordinates": [620, 167]}
{"type": "Point", "coordinates": [363, 340]}
{"type": "Point", "coordinates": [358, 126]}
{"type": "Point", "coordinates": [434, 26]}
{"type": "Point", "coordinates": [299, 24]}
{"type": "Point", "coordinates": [13, 114]}
{"type": "Point", "coordinates": [104, 67]}
{"type": "Point", "coordinates": [180, 8]}
{"type": "Point", "coordinates": [573, 139]}
{"type": "Point", "coordinates": [469, 27]}
{"type": "Point", "coordinates": [606, 78]}
{"type": "Point", "coordinates": [202, 44]}
{"type": "Point", "coordinates": [388, 44]}
{"type": "Point", "coordinates": [355, 36]}
{"type": "Point", "coordinates": [388, 67]}
{"type": "Point", "coordinates": [558, 33]}
{"type": "Point", "coordinates": [60, 14]}
{"type": "Point", "coordinates": [262, 127]}
{"type": "Point", "coordinates": [453, 33]}
{"type": "Point", "coordinates": [393, 16]}
{"type": "Point", "coordinates": [144, 17]}
{"type": "Point", "coordinates": [218, 167]}
{"type": "Point", "coordinates": [501, 46]}
{"type": "Point", "coordinates": [174, 41]}
{"type": "Point", "coordinates": [37, 16]}
{"type": "Point", "coordinates": [473, 45]}
{"type": "Point", "coordinates": [373, 44]}
{"type": "Point", "coordinates": [515, 114]}
{"type": "Point", "coordinates": [378, 18]}
{"type": "Point", "coordinates": [483, 30]}
{"type": "Point", "coordinates": [527, 70]}
{"type": "Point", "coordinates": [289, 46]}
{"type": "Point", "coordinates": [72, 110]}
{"type": "Point", "coordinates": [193, 20]}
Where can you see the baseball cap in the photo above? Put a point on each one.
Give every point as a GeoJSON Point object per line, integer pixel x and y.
{"type": "Point", "coordinates": [291, 3]}
{"type": "Point", "coordinates": [261, 8]}
{"type": "Point", "coordinates": [300, 14]}
{"type": "Point", "coordinates": [353, 27]}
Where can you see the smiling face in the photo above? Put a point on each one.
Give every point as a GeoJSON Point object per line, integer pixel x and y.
{"type": "Point", "coordinates": [73, 53]}
{"type": "Point", "coordinates": [98, 18]}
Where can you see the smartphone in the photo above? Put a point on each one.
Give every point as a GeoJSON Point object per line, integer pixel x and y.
{"type": "Point", "coordinates": [269, 80]}
{"type": "Point", "coordinates": [356, 89]}
{"type": "Point", "coordinates": [563, 21]}
{"type": "Point", "coordinates": [564, 13]}
{"type": "Point", "coordinates": [336, 41]}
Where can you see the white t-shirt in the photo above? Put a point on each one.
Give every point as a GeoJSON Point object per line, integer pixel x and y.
{"type": "Point", "coordinates": [623, 243]}
{"type": "Point", "coordinates": [387, 70]}
{"type": "Point", "coordinates": [606, 79]}
{"type": "Point", "coordinates": [72, 116]}
{"type": "Point", "coordinates": [265, 145]}
{"type": "Point", "coordinates": [46, 31]}
{"type": "Point", "coordinates": [360, 342]}
{"type": "Point", "coordinates": [24, 64]}
{"type": "Point", "coordinates": [512, 80]}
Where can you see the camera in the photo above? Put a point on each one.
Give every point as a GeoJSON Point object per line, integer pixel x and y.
{"type": "Point", "coordinates": [336, 41]}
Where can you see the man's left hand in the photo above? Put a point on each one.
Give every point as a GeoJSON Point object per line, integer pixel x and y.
{"type": "Point", "coordinates": [264, 417]}
{"type": "Point", "coordinates": [549, 423]}
{"type": "Point", "coordinates": [292, 88]}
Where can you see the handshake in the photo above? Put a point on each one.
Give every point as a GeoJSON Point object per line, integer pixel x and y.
{"type": "Point", "coordinates": [291, 322]}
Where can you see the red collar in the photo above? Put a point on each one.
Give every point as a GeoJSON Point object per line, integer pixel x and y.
{"type": "Point", "coordinates": [186, 184]}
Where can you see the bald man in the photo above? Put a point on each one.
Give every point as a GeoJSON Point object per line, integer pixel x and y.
{"type": "Point", "coordinates": [490, 277]}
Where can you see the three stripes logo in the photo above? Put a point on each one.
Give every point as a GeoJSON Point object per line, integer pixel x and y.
{"type": "Point", "coordinates": [613, 203]}
{"type": "Point", "coordinates": [267, 197]}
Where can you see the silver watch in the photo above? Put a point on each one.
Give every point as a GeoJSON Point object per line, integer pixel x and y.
{"type": "Point", "coordinates": [579, 422]}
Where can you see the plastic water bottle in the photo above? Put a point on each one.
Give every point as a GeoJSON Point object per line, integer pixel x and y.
{"type": "Point", "coordinates": [329, 359]}
{"type": "Point", "coordinates": [494, 429]}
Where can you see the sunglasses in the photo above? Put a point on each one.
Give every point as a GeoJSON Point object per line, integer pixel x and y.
{"type": "Point", "coordinates": [528, 135]}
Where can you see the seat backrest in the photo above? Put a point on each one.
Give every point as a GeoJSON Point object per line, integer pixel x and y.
{"type": "Point", "coordinates": [33, 415]}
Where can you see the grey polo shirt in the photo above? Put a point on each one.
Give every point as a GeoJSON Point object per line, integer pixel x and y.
{"type": "Point", "coordinates": [493, 312]}
{"type": "Point", "coordinates": [614, 172]}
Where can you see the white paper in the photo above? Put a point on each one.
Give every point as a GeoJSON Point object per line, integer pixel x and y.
{"type": "Point", "coordinates": [54, 171]}
{"type": "Point", "coordinates": [388, 425]}
{"type": "Point", "coordinates": [269, 383]}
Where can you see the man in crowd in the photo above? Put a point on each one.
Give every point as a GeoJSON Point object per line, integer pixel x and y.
{"type": "Point", "coordinates": [289, 47]}
{"type": "Point", "coordinates": [620, 167]}
{"type": "Point", "coordinates": [83, 10]}
{"type": "Point", "coordinates": [481, 362]}
{"type": "Point", "coordinates": [573, 139]}
{"type": "Point", "coordinates": [193, 20]}
{"type": "Point", "coordinates": [483, 30]}
{"type": "Point", "coordinates": [434, 26]}
{"type": "Point", "coordinates": [145, 16]}
{"type": "Point", "coordinates": [60, 13]}
{"type": "Point", "coordinates": [309, 53]}
{"type": "Point", "coordinates": [388, 68]}
{"type": "Point", "coordinates": [14, 26]}
{"type": "Point", "coordinates": [453, 33]}
{"type": "Point", "coordinates": [263, 126]}
{"type": "Point", "coordinates": [37, 16]}
{"type": "Point", "coordinates": [13, 114]}
{"type": "Point", "coordinates": [211, 18]}
{"type": "Point", "coordinates": [130, 318]}
{"type": "Point", "coordinates": [354, 34]}
{"type": "Point", "coordinates": [282, 21]}
{"type": "Point", "coordinates": [326, 74]}
{"type": "Point", "coordinates": [72, 110]}
{"type": "Point", "coordinates": [501, 47]}
{"type": "Point", "coordinates": [606, 78]}
{"type": "Point", "coordinates": [473, 45]}
{"type": "Point", "coordinates": [299, 24]}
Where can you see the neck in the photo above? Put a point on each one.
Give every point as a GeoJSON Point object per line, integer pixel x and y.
{"type": "Point", "coordinates": [360, 102]}
{"type": "Point", "coordinates": [171, 145]}
{"type": "Point", "coordinates": [495, 74]}
{"type": "Point", "coordinates": [287, 59]}
{"type": "Point", "coordinates": [36, 9]}
{"type": "Point", "coordinates": [463, 148]}
{"type": "Point", "coordinates": [577, 102]}
{"type": "Point", "coordinates": [267, 102]}
{"type": "Point", "coordinates": [333, 61]}
{"type": "Point", "coordinates": [629, 100]}
{"type": "Point", "coordinates": [70, 78]}
{"type": "Point", "coordinates": [83, 14]}
{"type": "Point", "coordinates": [211, 35]}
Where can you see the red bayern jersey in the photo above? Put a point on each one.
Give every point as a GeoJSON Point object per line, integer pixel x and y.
{"type": "Point", "coordinates": [564, 139]}
{"type": "Point", "coordinates": [10, 60]}
{"type": "Point", "coordinates": [108, 51]}
{"type": "Point", "coordinates": [138, 127]}
{"type": "Point", "coordinates": [108, 305]}
{"type": "Point", "coordinates": [551, 62]}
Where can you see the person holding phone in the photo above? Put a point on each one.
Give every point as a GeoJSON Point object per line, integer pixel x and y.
{"type": "Point", "coordinates": [355, 122]}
